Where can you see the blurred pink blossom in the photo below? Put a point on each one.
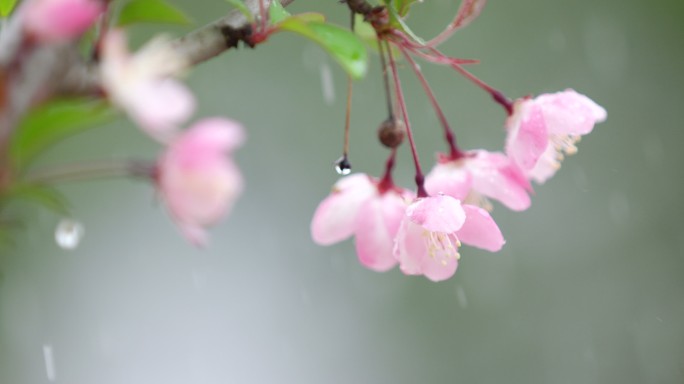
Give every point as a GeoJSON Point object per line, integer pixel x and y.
{"type": "Point", "coordinates": [542, 130]}
{"type": "Point", "coordinates": [196, 177]}
{"type": "Point", "coordinates": [51, 21]}
{"type": "Point", "coordinates": [359, 206]}
{"type": "Point", "coordinates": [143, 86]}
{"type": "Point", "coordinates": [432, 231]}
{"type": "Point", "coordinates": [480, 175]}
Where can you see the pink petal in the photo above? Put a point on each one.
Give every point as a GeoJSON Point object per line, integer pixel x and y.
{"type": "Point", "coordinates": [496, 177]}
{"type": "Point", "coordinates": [376, 227]}
{"type": "Point", "coordinates": [194, 233]}
{"type": "Point", "coordinates": [546, 167]}
{"type": "Point", "coordinates": [437, 213]}
{"type": "Point", "coordinates": [419, 254]}
{"type": "Point", "coordinates": [480, 230]}
{"type": "Point", "coordinates": [449, 178]}
{"type": "Point", "coordinates": [159, 107]}
{"type": "Point", "coordinates": [570, 113]}
{"type": "Point", "coordinates": [410, 248]}
{"type": "Point", "coordinates": [437, 271]}
{"type": "Point", "coordinates": [335, 217]}
{"type": "Point", "coordinates": [217, 134]}
{"type": "Point", "coordinates": [527, 134]}
{"type": "Point", "coordinates": [60, 20]}
{"type": "Point", "coordinates": [198, 183]}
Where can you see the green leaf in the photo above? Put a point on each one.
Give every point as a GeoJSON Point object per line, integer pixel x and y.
{"type": "Point", "coordinates": [340, 43]}
{"type": "Point", "coordinates": [243, 8]}
{"type": "Point", "coordinates": [277, 12]}
{"type": "Point", "coordinates": [398, 22]}
{"type": "Point", "coordinates": [402, 6]}
{"type": "Point", "coordinates": [6, 7]}
{"type": "Point", "coordinates": [53, 122]}
{"type": "Point", "coordinates": [48, 197]}
{"type": "Point", "coordinates": [151, 11]}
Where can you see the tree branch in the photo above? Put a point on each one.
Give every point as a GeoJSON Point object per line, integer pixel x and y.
{"type": "Point", "coordinates": [26, 78]}
{"type": "Point", "coordinates": [196, 47]}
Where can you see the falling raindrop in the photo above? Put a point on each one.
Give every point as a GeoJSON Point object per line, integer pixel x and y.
{"type": "Point", "coordinates": [342, 166]}
{"type": "Point", "coordinates": [49, 357]}
{"type": "Point", "coordinates": [68, 233]}
{"type": "Point", "coordinates": [327, 84]}
{"type": "Point", "coordinates": [461, 297]}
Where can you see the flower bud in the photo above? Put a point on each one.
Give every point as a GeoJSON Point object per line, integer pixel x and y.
{"type": "Point", "coordinates": [391, 133]}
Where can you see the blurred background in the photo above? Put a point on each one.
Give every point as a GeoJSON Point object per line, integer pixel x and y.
{"type": "Point", "coordinates": [588, 289]}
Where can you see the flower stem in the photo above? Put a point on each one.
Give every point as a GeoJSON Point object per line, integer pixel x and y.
{"type": "Point", "coordinates": [455, 153]}
{"type": "Point", "coordinates": [92, 170]}
{"type": "Point", "coordinates": [497, 95]}
{"type": "Point", "coordinates": [385, 78]}
{"type": "Point", "coordinates": [419, 178]}
{"type": "Point", "coordinates": [347, 119]}
{"type": "Point", "coordinates": [387, 183]}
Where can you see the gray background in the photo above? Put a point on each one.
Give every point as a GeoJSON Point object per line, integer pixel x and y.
{"type": "Point", "coordinates": [588, 289]}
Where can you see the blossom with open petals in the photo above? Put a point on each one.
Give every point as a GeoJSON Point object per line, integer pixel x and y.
{"type": "Point", "coordinates": [543, 129]}
{"type": "Point", "coordinates": [51, 21]}
{"type": "Point", "coordinates": [360, 206]}
{"type": "Point", "coordinates": [196, 178]}
{"type": "Point", "coordinates": [480, 175]}
{"type": "Point", "coordinates": [143, 86]}
{"type": "Point", "coordinates": [432, 231]}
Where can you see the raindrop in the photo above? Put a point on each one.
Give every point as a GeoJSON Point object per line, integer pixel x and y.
{"type": "Point", "coordinates": [49, 357]}
{"type": "Point", "coordinates": [461, 297]}
{"type": "Point", "coordinates": [327, 84]}
{"type": "Point", "coordinates": [342, 166]}
{"type": "Point", "coordinates": [68, 234]}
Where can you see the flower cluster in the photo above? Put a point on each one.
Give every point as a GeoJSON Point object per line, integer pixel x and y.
{"type": "Point", "coordinates": [423, 234]}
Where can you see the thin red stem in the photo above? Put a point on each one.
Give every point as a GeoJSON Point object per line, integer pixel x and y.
{"type": "Point", "coordinates": [347, 120]}
{"type": "Point", "coordinates": [387, 183]}
{"type": "Point", "coordinates": [385, 78]}
{"type": "Point", "coordinates": [419, 178]}
{"type": "Point", "coordinates": [455, 153]}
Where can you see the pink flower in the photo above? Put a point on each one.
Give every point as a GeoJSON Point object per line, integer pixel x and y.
{"type": "Point", "coordinates": [480, 175]}
{"type": "Point", "coordinates": [432, 231]}
{"type": "Point", "coordinates": [359, 206]}
{"type": "Point", "coordinates": [51, 21]}
{"type": "Point", "coordinates": [196, 179]}
{"type": "Point", "coordinates": [143, 86]}
{"type": "Point", "coordinates": [541, 130]}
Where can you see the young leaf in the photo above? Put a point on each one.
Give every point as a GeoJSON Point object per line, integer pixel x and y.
{"type": "Point", "coordinates": [402, 6]}
{"type": "Point", "coordinates": [48, 197]}
{"type": "Point", "coordinates": [151, 11]}
{"type": "Point", "coordinates": [242, 7]}
{"type": "Point", "coordinates": [277, 12]}
{"type": "Point", "coordinates": [340, 43]}
{"type": "Point", "coordinates": [6, 7]}
{"type": "Point", "coordinates": [53, 122]}
{"type": "Point", "coordinates": [398, 22]}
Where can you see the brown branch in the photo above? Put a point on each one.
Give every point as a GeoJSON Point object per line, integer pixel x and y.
{"type": "Point", "coordinates": [196, 47]}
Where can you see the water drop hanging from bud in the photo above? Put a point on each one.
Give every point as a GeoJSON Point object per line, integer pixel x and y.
{"type": "Point", "coordinates": [342, 166]}
{"type": "Point", "coordinates": [68, 234]}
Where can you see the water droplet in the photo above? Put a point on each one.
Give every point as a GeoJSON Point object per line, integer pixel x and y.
{"type": "Point", "coordinates": [68, 234]}
{"type": "Point", "coordinates": [49, 357]}
{"type": "Point", "coordinates": [461, 297]}
{"type": "Point", "coordinates": [342, 166]}
{"type": "Point", "coordinates": [327, 84]}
